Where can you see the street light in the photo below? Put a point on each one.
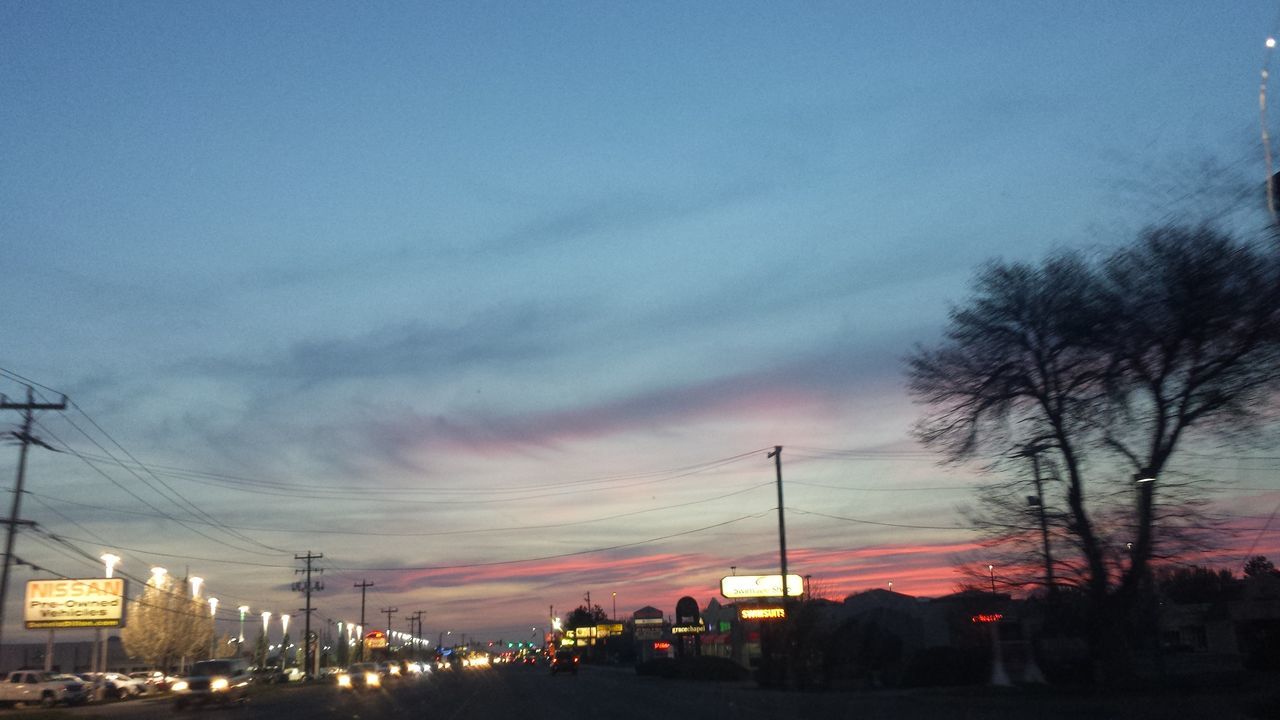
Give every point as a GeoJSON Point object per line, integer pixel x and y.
{"type": "Point", "coordinates": [284, 640]}
{"type": "Point", "coordinates": [266, 617]}
{"type": "Point", "coordinates": [213, 629]}
{"type": "Point", "coordinates": [243, 609]}
{"type": "Point", "coordinates": [1145, 475]}
{"type": "Point", "coordinates": [992, 569]}
{"type": "Point", "coordinates": [157, 576]}
{"type": "Point", "coordinates": [196, 582]}
{"type": "Point", "coordinates": [110, 561]}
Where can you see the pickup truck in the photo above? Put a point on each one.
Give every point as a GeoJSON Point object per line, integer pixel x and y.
{"type": "Point", "coordinates": [46, 688]}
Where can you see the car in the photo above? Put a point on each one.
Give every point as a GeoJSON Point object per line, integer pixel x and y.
{"type": "Point", "coordinates": [155, 680]}
{"type": "Point", "coordinates": [113, 685]}
{"type": "Point", "coordinates": [564, 661]}
{"type": "Point", "coordinates": [213, 682]}
{"type": "Point", "coordinates": [360, 676]}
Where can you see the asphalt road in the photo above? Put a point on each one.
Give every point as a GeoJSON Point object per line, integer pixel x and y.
{"type": "Point", "coordinates": [603, 693]}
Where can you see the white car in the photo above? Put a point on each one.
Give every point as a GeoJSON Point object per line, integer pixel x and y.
{"type": "Point", "coordinates": [112, 685]}
{"type": "Point", "coordinates": [124, 687]}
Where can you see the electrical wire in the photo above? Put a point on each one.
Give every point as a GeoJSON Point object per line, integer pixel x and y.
{"type": "Point", "coordinates": [428, 533]}
{"type": "Point", "coordinates": [882, 524]}
{"type": "Point", "coordinates": [72, 451]}
{"type": "Point", "coordinates": [620, 546]}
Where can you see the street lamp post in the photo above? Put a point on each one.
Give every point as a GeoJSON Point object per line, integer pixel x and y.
{"type": "Point", "coordinates": [615, 607]}
{"type": "Point", "coordinates": [992, 569]}
{"type": "Point", "coordinates": [240, 639]}
{"type": "Point", "coordinates": [110, 561]}
{"type": "Point", "coordinates": [196, 582]}
{"type": "Point", "coordinates": [284, 640]}
{"type": "Point", "coordinates": [213, 626]}
{"type": "Point", "coordinates": [266, 618]}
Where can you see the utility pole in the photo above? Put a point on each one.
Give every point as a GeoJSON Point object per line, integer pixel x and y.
{"type": "Point", "coordinates": [363, 585]}
{"type": "Point", "coordinates": [417, 617]}
{"type": "Point", "coordinates": [26, 439]}
{"type": "Point", "coordinates": [782, 523]}
{"type": "Point", "coordinates": [308, 654]}
{"type": "Point", "coordinates": [389, 612]}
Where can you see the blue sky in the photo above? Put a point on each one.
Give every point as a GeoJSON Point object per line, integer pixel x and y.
{"type": "Point", "coordinates": [450, 252]}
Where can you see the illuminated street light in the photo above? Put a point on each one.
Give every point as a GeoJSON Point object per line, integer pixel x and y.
{"type": "Point", "coordinates": [110, 561]}
{"type": "Point", "coordinates": [1271, 42]}
{"type": "Point", "coordinates": [266, 617]}
{"type": "Point", "coordinates": [1145, 475]}
{"type": "Point", "coordinates": [157, 576]}
{"type": "Point", "coordinates": [992, 569]}
{"type": "Point", "coordinates": [243, 609]}
{"type": "Point", "coordinates": [196, 582]}
{"type": "Point", "coordinates": [284, 640]}
{"type": "Point", "coordinates": [213, 631]}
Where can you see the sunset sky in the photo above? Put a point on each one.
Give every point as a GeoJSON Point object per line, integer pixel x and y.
{"type": "Point", "coordinates": [495, 304]}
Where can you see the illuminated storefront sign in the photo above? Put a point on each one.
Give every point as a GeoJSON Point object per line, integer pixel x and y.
{"type": "Point", "coordinates": [987, 618]}
{"type": "Point", "coordinates": [748, 586]}
{"type": "Point", "coordinates": [376, 639]}
{"type": "Point", "coordinates": [688, 629]}
{"type": "Point", "coordinates": [763, 613]}
{"type": "Point", "coordinates": [75, 603]}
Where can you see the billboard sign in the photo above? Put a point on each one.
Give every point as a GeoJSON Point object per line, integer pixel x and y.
{"type": "Point", "coordinates": [375, 640]}
{"type": "Point", "coordinates": [749, 586]}
{"type": "Point", "coordinates": [763, 612]}
{"type": "Point", "coordinates": [74, 603]}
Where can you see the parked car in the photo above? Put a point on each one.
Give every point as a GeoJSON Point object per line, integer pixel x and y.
{"type": "Point", "coordinates": [114, 685]}
{"type": "Point", "coordinates": [46, 688]}
{"type": "Point", "coordinates": [155, 680]}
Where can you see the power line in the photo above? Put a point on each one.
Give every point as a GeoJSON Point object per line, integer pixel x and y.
{"type": "Point", "coordinates": [560, 555]}
{"type": "Point", "coordinates": [184, 523]}
{"type": "Point", "coordinates": [428, 533]}
{"type": "Point", "coordinates": [882, 524]}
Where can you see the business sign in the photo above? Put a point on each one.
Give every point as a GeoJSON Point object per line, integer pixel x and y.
{"type": "Point", "coordinates": [82, 603]}
{"type": "Point", "coordinates": [648, 633]}
{"type": "Point", "coordinates": [641, 622]}
{"type": "Point", "coordinates": [749, 586]}
{"type": "Point", "coordinates": [375, 640]}
{"type": "Point", "coordinates": [764, 612]}
{"type": "Point", "coordinates": [987, 618]}
{"type": "Point", "coordinates": [693, 629]}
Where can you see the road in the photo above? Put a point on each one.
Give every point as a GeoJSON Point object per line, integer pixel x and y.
{"type": "Point", "coordinates": [603, 693]}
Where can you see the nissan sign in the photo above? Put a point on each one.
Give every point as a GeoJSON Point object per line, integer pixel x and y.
{"type": "Point", "coordinates": [83, 603]}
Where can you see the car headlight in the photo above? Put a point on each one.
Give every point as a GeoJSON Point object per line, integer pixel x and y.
{"type": "Point", "coordinates": [344, 680]}
{"type": "Point", "coordinates": [218, 684]}
{"type": "Point", "coordinates": [372, 680]}
{"type": "Point", "coordinates": [180, 686]}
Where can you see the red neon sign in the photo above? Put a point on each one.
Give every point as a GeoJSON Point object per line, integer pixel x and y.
{"type": "Point", "coordinates": [987, 618]}
{"type": "Point", "coordinates": [662, 645]}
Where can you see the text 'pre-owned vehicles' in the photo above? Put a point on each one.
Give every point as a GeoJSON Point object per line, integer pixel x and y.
{"type": "Point", "coordinates": [213, 682]}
